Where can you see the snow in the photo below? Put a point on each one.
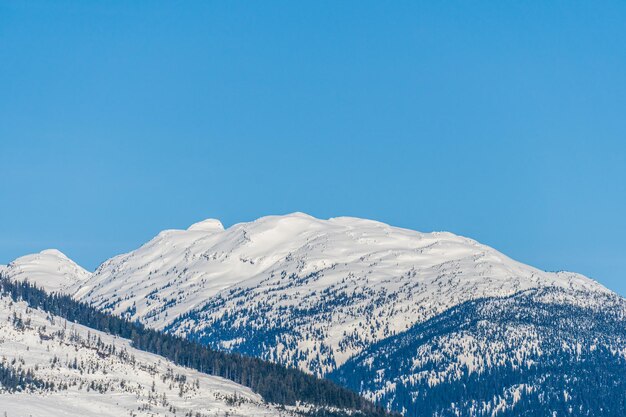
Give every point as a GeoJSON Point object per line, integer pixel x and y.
{"type": "Point", "coordinates": [497, 335]}
{"type": "Point", "coordinates": [208, 225]}
{"type": "Point", "coordinates": [49, 269]}
{"type": "Point", "coordinates": [129, 381]}
{"type": "Point", "coordinates": [391, 277]}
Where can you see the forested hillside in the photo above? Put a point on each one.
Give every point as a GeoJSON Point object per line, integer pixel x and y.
{"type": "Point", "coordinates": [54, 368]}
{"type": "Point", "coordinates": [275, 383]}
{"type": "Point", "coordinates": [550, 352]}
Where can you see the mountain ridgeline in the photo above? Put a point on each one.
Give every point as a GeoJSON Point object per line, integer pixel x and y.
{"type": "Point", "coordinates": [427, 324]}
{"type": "Point", "coordinates": [275, 383]}
{"type": "Point", "coordinates": [300, 291]}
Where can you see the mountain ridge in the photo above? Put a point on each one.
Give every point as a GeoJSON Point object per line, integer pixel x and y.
{"type": "Point", "coordinates": [381, 280]}
{"type": "Point", "coordinates": [336, 298]}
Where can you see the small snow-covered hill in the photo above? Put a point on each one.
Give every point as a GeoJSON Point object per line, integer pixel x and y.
{"type": "Point", "coordinates": [304, 291]}
{"type": "Point", "coordinates": [49, 269]}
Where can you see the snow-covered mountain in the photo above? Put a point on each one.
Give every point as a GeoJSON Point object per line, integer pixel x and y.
{"type": "Point", "coordinates": [49, 269]}
{"type": "Point", "coordinates": [304, 291]}
{"type": "Point", "coordinates": [389, 312]}
{"type": "Point", "coordinates": [52, 368]}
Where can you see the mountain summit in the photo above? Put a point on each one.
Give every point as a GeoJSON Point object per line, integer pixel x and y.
{"type": "Point", "coordinates": [407, 318]}
{"type": "Point", "coordinates": [299, 290]}
{"type": "Point", "coordinates": [49, 269]}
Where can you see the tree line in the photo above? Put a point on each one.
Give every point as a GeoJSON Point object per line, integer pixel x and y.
{"type": "Point", "coordinates": [275, 383]}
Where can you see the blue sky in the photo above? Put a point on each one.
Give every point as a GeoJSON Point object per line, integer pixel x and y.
{"type": "Point", "coordinates": [502, 121]}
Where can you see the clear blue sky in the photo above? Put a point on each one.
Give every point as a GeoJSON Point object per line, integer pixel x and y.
{"type": "Point", "coordinates": [504, 121]}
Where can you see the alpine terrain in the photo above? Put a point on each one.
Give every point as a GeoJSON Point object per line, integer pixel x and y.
{"type": "Point", "coordinates": [63, 357]}
{"type": "Point", "coordinates": [424, 323]}
{"type": "Point", "coordinates": [54, 368]}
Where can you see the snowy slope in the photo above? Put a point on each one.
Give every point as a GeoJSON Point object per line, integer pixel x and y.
{"type": "Point", "coordinates": [538, 352]}
{"type": "Point", "coordinates": [304, 291]}
{"type": "Point", "coordinates": [49, 269]}
{"type": "Point", "coordinates": [92, 380]}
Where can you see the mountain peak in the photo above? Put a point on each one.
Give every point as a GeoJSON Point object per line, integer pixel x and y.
{"type": "Point", "coordinates": [208, 225]}
{"type": "Point", "coordinates": [50, 269]}
{"type": "Point", "coordinates": [299, 214]}
{"type": "Point", "coordinates": [54, 252]}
